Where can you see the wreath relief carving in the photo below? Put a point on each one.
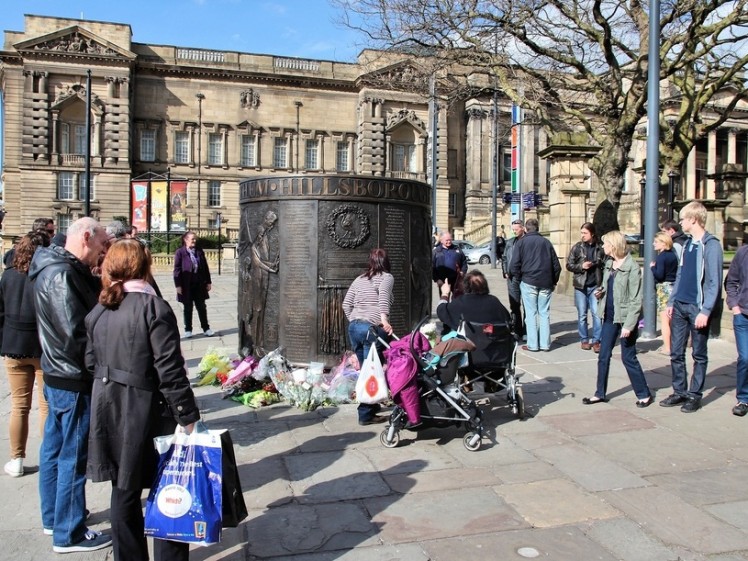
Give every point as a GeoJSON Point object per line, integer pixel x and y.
{"type": "Point", "coordinates": [348, 226]}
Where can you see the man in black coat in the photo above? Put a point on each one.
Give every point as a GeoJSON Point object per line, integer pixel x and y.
{"type": "Point", "coordinates": [65, 291]}
{"type": "Point", "coordinates": [536, 265]}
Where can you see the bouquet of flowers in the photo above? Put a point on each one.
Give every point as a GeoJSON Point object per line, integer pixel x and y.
{"type": "Point", "coordinates": [305, 388]}
{"type": "Point", "coordinates": [214, 367]}
{"type": "Point", "coordinates": [344, 377]}
{"type": "Point", "coordinates": [429, 331]}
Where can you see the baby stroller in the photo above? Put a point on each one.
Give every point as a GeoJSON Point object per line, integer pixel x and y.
{"type": "Point", "coordinates": [493, 361]}
{"type": "Point", "coordinates": [431, 396]}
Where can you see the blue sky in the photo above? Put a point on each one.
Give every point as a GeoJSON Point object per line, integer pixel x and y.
{"type": "Point", "coordinates": [296, 28]}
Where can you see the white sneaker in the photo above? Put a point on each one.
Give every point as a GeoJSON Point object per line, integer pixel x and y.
{"type": "Point", "coordinates": [209, 333]}
{"type": "Point", "coordinates": [187, 335]}
{"type": "Point", "coordinates": [14, 467]}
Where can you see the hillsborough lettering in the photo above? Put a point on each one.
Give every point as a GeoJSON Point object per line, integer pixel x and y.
{"type": "Point", "coordinates": [335, 187]}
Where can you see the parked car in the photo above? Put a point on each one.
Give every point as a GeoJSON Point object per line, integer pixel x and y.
{"type": "Point", "coordinates": [480, 254]}
{"type": "Point", "coordinates": [633, 238]}
{"type": "Point", "coordinates": [464, 245]}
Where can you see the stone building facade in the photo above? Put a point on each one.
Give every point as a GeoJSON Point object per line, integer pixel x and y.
{"type": "Point", "coordinates": [215, 118]}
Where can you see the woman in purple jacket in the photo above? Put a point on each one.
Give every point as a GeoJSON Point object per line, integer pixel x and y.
{"type": "Point", "coordinates": [192, 279]}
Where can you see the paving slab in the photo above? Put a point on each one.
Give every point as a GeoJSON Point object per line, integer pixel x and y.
{"type": "Point", "coordinates": [706, 487]}
{"type": "Point", "coordinates": [555, 502]}
{"type": "Point", "coordinates": [450, 513]}
{"type": "Point", "coordinates": [673, 521]}
{"type": "Point", "coordinates": [558, 544]}
{"type": "Point", "coordinates": [597, 419]}
{"type": "Point", "coordinates": [731, 512]}
{"type": "Point", "coordinates": [589, 469]}
{"type": "Point", "coordinates": [629, 541]}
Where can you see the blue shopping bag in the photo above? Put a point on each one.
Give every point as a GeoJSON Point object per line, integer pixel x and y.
{"type": "Point", "coordinates": [185, 504]}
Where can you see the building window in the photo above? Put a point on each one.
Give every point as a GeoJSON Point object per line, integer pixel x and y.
{"type": "Point", "coordinates": [311, 154]}
{"type": "Point", "coordinates": [66, 186]}
{"type": "Point", "coordinates": [452, 204]}
{"type": "Point", "coordinates": [148, 145]}
{"type": "Point", "coordinates": [341, 163]}
{"type": "Point", "coordinates": [280, 153]}
{"type": "Point", "coordinates": [214, 193]}
{"type": "Point", "coordinates": [215, 149]}
{"type": "Point", "coordinates": [404, 158]}
{"type": "Point", "coordinates": [248, 151]}
{"type": "Point", "coordinates": [82, 187]}
{"type": "Point", "coordinates": [63, 222]}
{"type": "Point", "coordinates": [72, 138]}
{"type": "Point", "coordinates": [182, 148]}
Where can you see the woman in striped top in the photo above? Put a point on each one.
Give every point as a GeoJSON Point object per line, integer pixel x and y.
{"type": "Point", "coordinates": [367, 305]}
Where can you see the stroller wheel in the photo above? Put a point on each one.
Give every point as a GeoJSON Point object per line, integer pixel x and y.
{"type": "Point", "coordinates": [389, 441]}
{"type": "Point", "coordinates": [519, 403]}
{"type": "Point", "coordinates": [472, 441]}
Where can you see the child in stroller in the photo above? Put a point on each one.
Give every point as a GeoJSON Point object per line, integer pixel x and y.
{"type": "Point", "coordinates": [484, 320]}
{"type": "Point", "coordinates": [426, 390]}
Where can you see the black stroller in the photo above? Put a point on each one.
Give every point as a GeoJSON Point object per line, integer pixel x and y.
{"type": "Point", "coordinates": [493, 361]}
{"type": "Point", "coordinates": [440, 397]}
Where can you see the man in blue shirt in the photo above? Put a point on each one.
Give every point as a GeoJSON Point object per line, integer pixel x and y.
{"type": "Point", "coordinates": [448, 263]}
{"type": "Point", "coordinates": [695, 296]}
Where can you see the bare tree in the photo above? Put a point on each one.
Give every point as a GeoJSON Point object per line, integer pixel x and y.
{"type": "Point", "coordinates": [578, 64]}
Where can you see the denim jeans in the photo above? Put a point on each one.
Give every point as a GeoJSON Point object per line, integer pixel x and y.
{"type": "Point", "coordinates": [537, 303]}
{"type": "Point", "coordinates": [62, 465]}
{"type": "Point", "coordinates": [740, 325]}
{"type": "Point", "coordinates": [609, 336]}
{"type": "Point", "coordinates": [681, 325]}
{"type": "Point", "coordinates": [361, 336]}
{"type": "Point", "coordinates": [585, 301]}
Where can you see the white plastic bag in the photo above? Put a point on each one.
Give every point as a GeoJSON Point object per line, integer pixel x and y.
{"type": "Point", "coordinates": [371, 386]}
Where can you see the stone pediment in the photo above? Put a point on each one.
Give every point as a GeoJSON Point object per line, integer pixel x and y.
{"type": "Point", "coordinates": [402, 75]}
{"type": "Point", "coordinates": [408, 116]}
{"type": "Point", "coordinates": [75, 41]}
{"type": "Point", "coordinates": [76, 92]}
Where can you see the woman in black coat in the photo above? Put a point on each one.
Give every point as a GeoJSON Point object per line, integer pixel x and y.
{"type": "Point", "coordinates": [192, 279]}
{"type": "Point", "coordinates": [140, 391]}
{"type": "Point", "coordinates": [19, 344]}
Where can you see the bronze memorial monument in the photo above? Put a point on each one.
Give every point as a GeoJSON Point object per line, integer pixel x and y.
{"type": "Point", "coordinates": [304, 239]}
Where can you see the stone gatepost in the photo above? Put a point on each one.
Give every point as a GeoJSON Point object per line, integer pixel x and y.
{"type": "Point", "coordinates": [733, 189]}
{"type": "Point", "coordinates": [568, 200]}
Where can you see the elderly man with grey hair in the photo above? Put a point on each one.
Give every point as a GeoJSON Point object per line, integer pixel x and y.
{"type": "Point", "coordinates": [65, 291]}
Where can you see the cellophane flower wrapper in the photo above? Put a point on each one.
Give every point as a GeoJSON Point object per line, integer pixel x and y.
{"type": "Point", "coordinates": [214, 367]}
{"type": "Point", "coordinates": [343, 379]}
{"type": "Point", "coordinates": [245, 368]}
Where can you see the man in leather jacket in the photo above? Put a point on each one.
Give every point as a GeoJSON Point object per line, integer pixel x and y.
{"type": "Point", "coordinates": [515, 298]}
{"type": "Point", "coordinates": [586, 260]}
{"type": "Point", "coordinates": [65, 291]}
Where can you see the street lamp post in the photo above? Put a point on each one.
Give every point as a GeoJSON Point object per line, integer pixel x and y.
{"type": "Point", "coordinates": [298, 105]}
{"type": "Point", "coordinates": [200, 97]}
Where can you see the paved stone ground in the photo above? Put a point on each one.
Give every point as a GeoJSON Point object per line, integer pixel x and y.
{"type": "Point", "coordinates": [570, 483]}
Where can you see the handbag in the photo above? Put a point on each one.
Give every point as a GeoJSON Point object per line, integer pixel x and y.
{"type": "Point", "coordinates": [371, 386]}
{"type": "Point", "coordinates": [234, 508]}
{"type": "Point", "coordinates": [185, 502]}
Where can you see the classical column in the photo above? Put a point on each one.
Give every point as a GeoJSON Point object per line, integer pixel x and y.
{"type": "Point", "coordinates": [289, 150]}
{"type": "Point", "coordinates": [711, 165]}
{"type": "Point", "coordinates": [224, 147]}
{"type": "Point", "coordinates": [55, 134]}
{"type": "Point", "coordinates": [42, 82]}
{"type": "Point", "coordinates": [111, 89]}
{"type": "Point", "coordinates": [28, 81]}
{"type": "Point", "coordinates": [689, 182]}
{"type": "Point", "coordinates": [732, 146]}
{"type": "Point", "coordinates": [191, 147]}
{"type": "Point", "coordinates": [351, 154]}
{"type": "Point", "coordinates": [96, 140]}
{"type": "Point", "coordinates": [473, 148]}
{"type": "Point", "coordinates": [321, 150]}
{"type": "Point", "coordinates": [390, 155]}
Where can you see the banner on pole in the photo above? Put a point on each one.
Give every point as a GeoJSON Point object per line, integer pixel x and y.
{"type": "Point", "coordinates": [139, 198]}
{"type": "Point", "coordinates": [178, 200]}
{"type": "Point", "coordinates": [159, 197]}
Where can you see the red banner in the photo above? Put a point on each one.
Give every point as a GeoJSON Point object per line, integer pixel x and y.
{"type": "Point", "coordinates": [139, 198]}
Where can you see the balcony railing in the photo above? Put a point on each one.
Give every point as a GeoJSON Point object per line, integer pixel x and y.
{"type": "Point", "coordinates": [407, 175]}
{"type": "Point", "coordinates": [72, 159]}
